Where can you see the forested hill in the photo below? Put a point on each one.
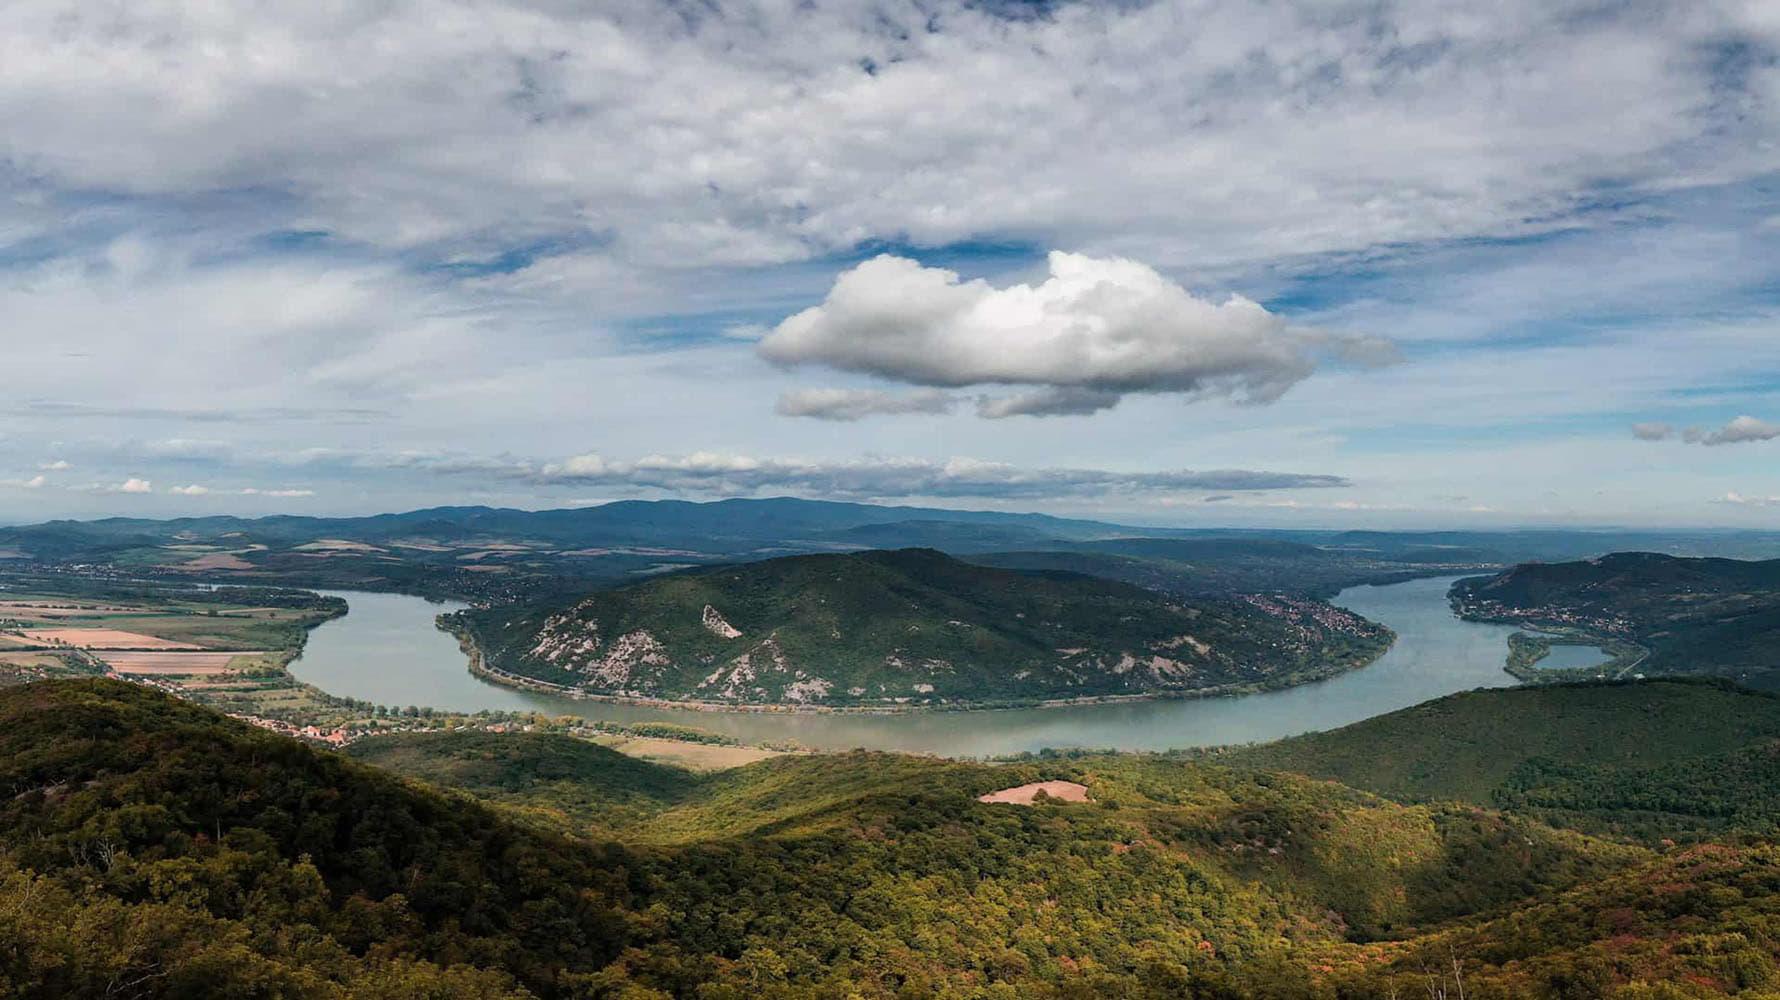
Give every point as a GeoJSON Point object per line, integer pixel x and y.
{"type": "Point", "coordinates": [1717, 617]}
{"type": "Point", "coordinates": [156, 849]}
{"type": "Point", "coordinates": [1679, 759]}
{"type": "Point", "coordinates": [912, 626]}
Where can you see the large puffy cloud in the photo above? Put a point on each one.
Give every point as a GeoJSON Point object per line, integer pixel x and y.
{"type": "Point", "coordinates": [713, 473]}
{"type": "Point", "coordinates": [1092, 331]}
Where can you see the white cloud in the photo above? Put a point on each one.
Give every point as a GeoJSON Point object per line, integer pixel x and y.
{"type": "Point", "coordinates": [56, 466]}
{"type": "Point", "coordinates": [34, 483]}
{"type": "Point", "coordinates": [193, 490]}
{"type": "Point", "coordinates": [131, 485]}
{"type": "Point", "coordinates": [256, 492]}
{"type": "Point", "coordinates": [1740, 500]}
{"type": "Point", "coordinates": [1092, 331]}
{"type": "Point", "coordinates": [1742, 430]}
{"type": "Point", "coordinates": [770, 130]}
{"type": "Point", "coordinates": [544, 218]}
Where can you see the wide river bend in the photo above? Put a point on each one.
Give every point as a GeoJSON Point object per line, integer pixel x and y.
{"type": "Point", "coordinates": [387, 650]}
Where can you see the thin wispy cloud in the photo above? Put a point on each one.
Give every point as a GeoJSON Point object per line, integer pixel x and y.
{"type": "Point", "coordinates": [711, 473]}
{"type": "Point", "coordinates": [1739, 430]}
{"type": "Point", "coordinates": [848, 405]}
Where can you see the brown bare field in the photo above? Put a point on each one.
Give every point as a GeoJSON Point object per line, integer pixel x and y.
{"type": "Point", "coordinates": [34, 659]}
{"type": "Point", "coordinates": [335, 545]}
{"type": "Point", "coordinates": [103, 638]}
{"type": "Point", "coordinates": [1022, 795]}
{"type": "Point", "coordinates": [171, 663]}
{"type": "Point", "coordinates": [217, 560]}
{"type": "Point", "coordinates": [680, 753]}
{"type": "Point", "coordinates": [421, 545]}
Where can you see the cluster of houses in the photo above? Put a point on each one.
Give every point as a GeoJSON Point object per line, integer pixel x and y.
{"type": "Point", "coordinates": [1548, 616]}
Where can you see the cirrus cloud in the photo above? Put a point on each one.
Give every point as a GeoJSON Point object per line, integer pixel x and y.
{"type": "Point", "coordinates": [714, 473]}
{"type": "Point", "coordinates": [1093, 331]}
{"type": "Point", "coordinates": [848, 405]}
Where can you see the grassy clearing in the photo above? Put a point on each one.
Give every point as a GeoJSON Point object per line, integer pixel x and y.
{"type": "Point", "coordinates": [691, 756]}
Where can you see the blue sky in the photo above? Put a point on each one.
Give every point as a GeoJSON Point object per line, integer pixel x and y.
{"type": "Point", "coordinates": [1191, 263]}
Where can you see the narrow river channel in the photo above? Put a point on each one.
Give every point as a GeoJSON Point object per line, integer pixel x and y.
{"type": "Point", "coordinates": [387, 650]}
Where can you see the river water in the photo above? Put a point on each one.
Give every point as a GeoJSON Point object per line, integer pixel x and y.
{"type": "Point", "coordinates": [387, 650]}
{"type": "Point", "coordinates": [1565, 656]}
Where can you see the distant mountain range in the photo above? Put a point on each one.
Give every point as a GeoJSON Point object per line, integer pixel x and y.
{"type": "Point", "coordinates": [911, 626]}
{"type": "Point", "coordinates": [490, 552]}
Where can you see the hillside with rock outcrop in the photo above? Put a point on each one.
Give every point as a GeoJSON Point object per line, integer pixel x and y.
{"type": "Point", "coordinates": [909, 627]}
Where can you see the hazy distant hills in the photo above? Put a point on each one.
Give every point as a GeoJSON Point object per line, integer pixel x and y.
{"type": "Point", "coordinates": [910, 626]}
{"type": "Point", "coordinates": [718, 526]}
{"type": "Point", "coordinates": [1717, 617]}
{"type": "Point", "coordinates": [486, 552]}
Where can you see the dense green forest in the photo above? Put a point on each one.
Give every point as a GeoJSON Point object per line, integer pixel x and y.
{"type": "Point", "coordinates": [154, 848]}
{"type": "Point", "coordinates": [1671, 759]}
{"type": "Point", "coordinates": [910, 626]}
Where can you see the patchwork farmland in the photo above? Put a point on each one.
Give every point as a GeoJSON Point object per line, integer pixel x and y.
{"type": "Point", "coordinates": [222, 646]}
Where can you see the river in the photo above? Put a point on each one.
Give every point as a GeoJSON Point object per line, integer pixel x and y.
{"type": "Point", "coordinates": [387, 650]}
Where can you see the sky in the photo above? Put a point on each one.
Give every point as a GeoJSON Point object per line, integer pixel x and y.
{"type": "Point", "coordinates": [1296, 264]}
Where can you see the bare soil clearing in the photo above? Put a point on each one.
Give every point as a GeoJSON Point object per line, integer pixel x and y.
{"type": "Point", "coordinates": [1023, 795]}
{"type": "Point", "coordinates": [336, 545]}
{"type": "Point", "coordinates": [217, 560]}
{"type": "Point", "coordinates": [171, 663]}
{"type": "Point", "coordinates": [680, 753]}
{"type": "Point", "coordinates": [103, 638]}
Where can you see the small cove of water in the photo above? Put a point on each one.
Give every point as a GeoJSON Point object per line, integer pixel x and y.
{"type": "Point", "coordinates": [387, 650]}
{"type": "Point", "coordinates": [1568, 656]}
